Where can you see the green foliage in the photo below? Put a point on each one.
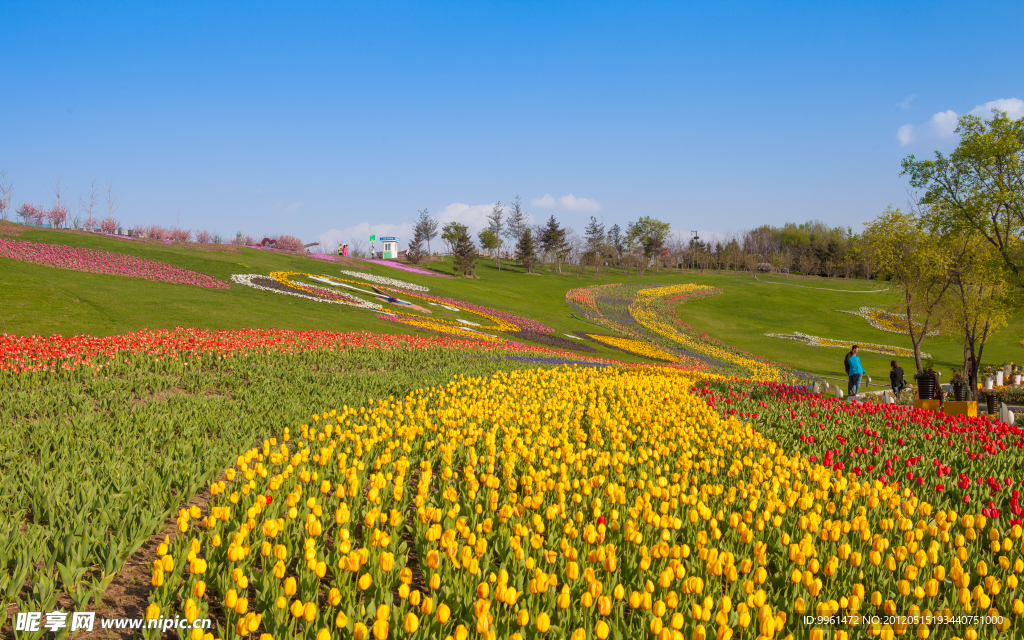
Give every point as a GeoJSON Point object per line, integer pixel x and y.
{"type": "Point", "coordinates": [464, 252]}
{"type": "Point", "coordinates": [980, 186]}
{"type": "Point", "coordinates": [649, 234]}
{"type": "Point", "coordinates": [526, 252]}
{"type": "Point", "coordinates": [920, 263]}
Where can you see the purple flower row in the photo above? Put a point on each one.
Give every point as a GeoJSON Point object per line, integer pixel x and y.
{"type": "Point", "coordinates": [94, 261]}
{"type": "Point", "coordinates": [404, 267]}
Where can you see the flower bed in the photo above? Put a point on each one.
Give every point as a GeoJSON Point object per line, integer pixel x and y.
{"type": "Point", "coordinates": [647, 314]}
{"type": "Point", "coordinates": [310, 292]}
{"type": "Point", "coordinates": [816, 341]}
{"type": "Point", "coordinates": [887, 321]}
{"type": "Point", "coordinates": [405, 267]}
{"type": "Point", "coordinates": [387, 282]}
{"type": "Point", "coordinates": [636, 347]}
{"type": "Point", "coordinates": [104, 262]}
{"type": "Point", "coordinates": [661, 514]}
{"type": "Point", "coordinates": [551, 340]}
{"type": "Point", "coordinates": [34, 353]}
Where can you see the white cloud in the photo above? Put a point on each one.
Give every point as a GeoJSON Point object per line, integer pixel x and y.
{"type": "Point", "coordinates": [573, 203]}
{"type": "Point", "coordinates": [547, 202]}
{"type": "Point", "coordinates": [473, 216]}
{"type": "Point", "coordinates": [293, 207]}
{"type": "Point", "coordinates": [1013, 107]}
{"type": "Point", "coordinates": [569, 202]}
{"type": "Point", "coordinates": [942, 125]}
{"type": "Point", "coordinates": [906, 103]}
{"type": "Point", "coordinates": [905, 134]}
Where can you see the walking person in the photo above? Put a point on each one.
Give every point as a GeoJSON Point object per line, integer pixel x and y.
{"type": "Point", "coordinates": [854, 370]}
{"type": "Point", "coordinates": [896, 380]}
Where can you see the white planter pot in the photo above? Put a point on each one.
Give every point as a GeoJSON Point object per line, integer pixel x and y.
{"type": "Point", "coordinates": [988, 383]}
{"type": "Point", "coordinates": [999, 378]}
{"type": "Point", "coordinates": [1016, 378]}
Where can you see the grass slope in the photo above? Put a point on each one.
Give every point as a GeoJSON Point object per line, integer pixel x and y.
{"type": "Point", "coordinates": [749, 308]}
{"type": "Point", "coordinates": [41, 300]}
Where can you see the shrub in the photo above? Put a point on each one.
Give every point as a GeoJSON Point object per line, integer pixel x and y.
{"type": "Point", "coordinates": [203, 236]}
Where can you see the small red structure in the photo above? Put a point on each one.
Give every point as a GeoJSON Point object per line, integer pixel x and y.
{"type": "Point", "coordinates": [267, 242]}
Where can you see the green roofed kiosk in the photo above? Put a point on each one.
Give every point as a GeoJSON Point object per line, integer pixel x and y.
{"type": "Point", "coordinates": [390, 248]}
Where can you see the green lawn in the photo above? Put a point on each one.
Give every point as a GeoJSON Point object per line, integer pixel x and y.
{"type": "Point", "coordinates": [42, 300]}
{"type": "Point", "coordinates": [748, 309]}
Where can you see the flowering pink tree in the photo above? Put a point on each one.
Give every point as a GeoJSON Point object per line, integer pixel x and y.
{"type": "Point", "coordinates": [290, 243]}
{"type": "Point", "coordinates": [181, 235]}
{"type": "Point", "coordinates": [204, 237]}
{"type": "Point", "coordinates": [110, 224]}
{"type": "Point", "coordinates": [57, 215]}
{"type": "Point", "coordinates": [31, 214]}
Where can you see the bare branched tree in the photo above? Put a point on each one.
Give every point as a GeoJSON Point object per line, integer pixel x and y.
{"type": "Point", "coordinates": [111, 222]}
{"type": "Point", "coordinates": [6, 188]}
{"type": "Point", "coordinates": [87, 205]}
{"type": "Point", "coordinates": [59, 213]}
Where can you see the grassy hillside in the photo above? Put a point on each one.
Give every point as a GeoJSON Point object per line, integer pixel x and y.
{"type": "Point", "coordinates": [42, 300]}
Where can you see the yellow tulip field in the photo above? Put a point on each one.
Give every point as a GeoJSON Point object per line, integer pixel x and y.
{"type": "Point", "coordinates": [573, 503]}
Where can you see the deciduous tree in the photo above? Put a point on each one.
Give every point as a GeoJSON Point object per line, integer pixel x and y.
{"type": "Point", "coordinates": [920, 265]}
{"type": "Point", "coordinates": [979, 187]}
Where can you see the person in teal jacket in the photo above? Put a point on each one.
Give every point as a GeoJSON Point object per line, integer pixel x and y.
{"type": "Point", "coordinates": [854, 370]}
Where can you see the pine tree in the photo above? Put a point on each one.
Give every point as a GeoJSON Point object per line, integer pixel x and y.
{"type": "Point", "coordinates": [552, 241]}
{"type": "Point", "coordinates": [464, 252]}
{"type": "Point", "coordinates": [526, 252]}
{"type": "Point", "coordinates": [594, 234]}
{"type": "Point", "coordinates": [615, 238]}
{"type": "Point", "coordinates": [517, 222]}
{"type": "Point", "coordinates": [414, 253]}
{"type": "Point", "coordinates": [427, 225]}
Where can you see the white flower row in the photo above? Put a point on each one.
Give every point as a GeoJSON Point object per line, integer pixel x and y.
{"type": "Point", "coordinates": [387, 282]}
{"type": "Point", "coordinates": [816, 341]}
{"type": "Point", "coordinates": [866, 313]}
{"type": "Point", "coordinates": [349, 300]}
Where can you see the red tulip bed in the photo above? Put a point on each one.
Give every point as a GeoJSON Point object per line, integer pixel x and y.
{"type": "Point", "coordinates": [94, 261]}
{"type": "Point", "coordinates": [34, 353]}
{"type": "Point", "coordinates": [953, 462]}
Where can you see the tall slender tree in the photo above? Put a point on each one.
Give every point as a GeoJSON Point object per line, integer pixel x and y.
{"type": "Point", "coordinates": [615, 238]}
{"type": "Point", "coordinates": [428, 226]}
{"type": "Point", "coordinates": [496, 226]}
{"type": "Point", "coordinates": [517, 222]}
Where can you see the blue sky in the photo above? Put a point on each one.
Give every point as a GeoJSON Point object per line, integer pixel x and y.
{"type": "Point", "coordinates": [305, 118]}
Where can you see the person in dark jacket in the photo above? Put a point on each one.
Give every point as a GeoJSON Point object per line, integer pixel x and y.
{"type": "Point", "coordinates": [896, 378]}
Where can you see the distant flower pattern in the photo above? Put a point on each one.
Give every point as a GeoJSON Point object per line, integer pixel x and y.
{"type": "Point", "coordinates": [292, 288]}
{"type": "Point", "coordinates": [816, 341]}
{"type": "Point", "coordinates": [387, 282]}
{"type": "Point", "coordinates": [887, 320]}
{"type": "Point", "coordinates": [104, 262]}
